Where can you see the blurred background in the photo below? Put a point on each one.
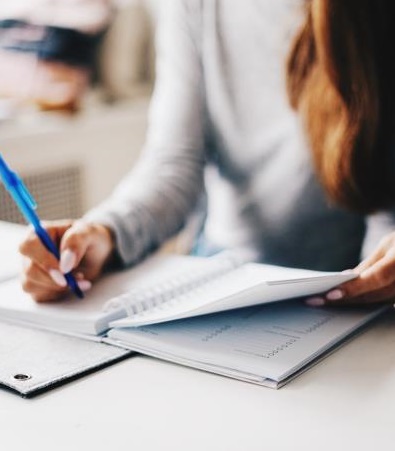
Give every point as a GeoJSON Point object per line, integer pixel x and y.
{"type": "Point", "coordinates": [75, 82]}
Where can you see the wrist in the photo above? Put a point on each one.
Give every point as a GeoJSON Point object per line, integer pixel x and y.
{"type": "Point", "coordinates": [107, 233]}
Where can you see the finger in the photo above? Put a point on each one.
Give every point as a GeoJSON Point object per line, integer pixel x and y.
{"type": "Point", "coordinates": [54, 280]}
{"type": "Point", "coordinates": [382, 296]}
{"type": "Point", "coordinates": [32, 248]}
{"type": "Point", "coordinates": [378, 276]}
{"type": "Point", "coordinates": [35, 280]}
{"type": "Point", "coordinates": [40, 294]}
{"type": "Point", "coordinates": [74, 245]}
{"type": "Point", "coordinates": [386, 294]}
{"type": "Point", "coordinates": [56, 229]}
{"type": "Point", "coordinates": [316, 301]}
{"type": "Point", "coordinates": [371, 260]}
{"type": "Point", "coordinates": [43, 271]}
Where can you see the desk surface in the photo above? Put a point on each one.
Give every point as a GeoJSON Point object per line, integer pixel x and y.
{"type": "Point", "coordinates": [347, 402]}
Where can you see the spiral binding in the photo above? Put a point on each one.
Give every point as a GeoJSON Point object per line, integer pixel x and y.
{"type": "Point", "coordinates": [141, 300]}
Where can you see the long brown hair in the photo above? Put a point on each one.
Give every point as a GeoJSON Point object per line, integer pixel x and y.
{"type": "Point", "coordinates": [340, 78]}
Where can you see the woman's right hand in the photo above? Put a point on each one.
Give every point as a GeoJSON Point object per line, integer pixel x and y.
{"type": "Point", "coordinates": [85, 249]}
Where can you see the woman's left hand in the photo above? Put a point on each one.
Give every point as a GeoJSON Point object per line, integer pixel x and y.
{"type": "Point", "coordinates": [375, 282]}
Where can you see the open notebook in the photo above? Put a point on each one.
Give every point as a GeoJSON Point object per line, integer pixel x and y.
{"type": "Point", "coordinates": [223, 282]}
{"type": "Point", "coordinates": [267, 345]}
{"type": "Point", "coordinates": [90, 316]}
{"type": "Point", "coordinates": [165, 288]}
{"type": "Point", "coordinates": [261, 343]}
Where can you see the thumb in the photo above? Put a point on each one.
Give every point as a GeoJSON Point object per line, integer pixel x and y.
{"type": "Point", "coordinates": [73, 247]}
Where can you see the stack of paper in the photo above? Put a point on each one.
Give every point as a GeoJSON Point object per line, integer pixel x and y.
{"type": "Point", "coordinates": [266, 345]}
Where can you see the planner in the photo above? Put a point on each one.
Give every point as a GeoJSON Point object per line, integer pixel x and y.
{"type": "Point", "coordinates": [224, 282]}
{"type": "Point", "coordinates": [91, 316]}
{"type": "Point", "coordinates": [166, 288]}
{"type": "Point", "coordinates": [267, 345]}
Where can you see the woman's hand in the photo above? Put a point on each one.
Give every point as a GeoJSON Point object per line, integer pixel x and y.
{"type": "Point", "coordinates": [375, 282]}
{"type": "Point", "coordinates": [85, 249]}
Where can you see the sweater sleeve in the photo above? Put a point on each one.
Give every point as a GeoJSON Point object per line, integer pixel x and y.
{"type": "Point", "coordinates": [153, 201]}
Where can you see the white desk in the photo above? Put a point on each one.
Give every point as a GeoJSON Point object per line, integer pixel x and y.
{"type": "Point", "coordinates": [347, 402]}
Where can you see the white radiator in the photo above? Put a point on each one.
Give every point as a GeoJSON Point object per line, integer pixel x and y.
{"type": "Point", "coordinates": [57, 192]}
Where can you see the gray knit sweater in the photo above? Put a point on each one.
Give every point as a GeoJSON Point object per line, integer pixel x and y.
{"type": "Point", "coordinates": [220, 126]}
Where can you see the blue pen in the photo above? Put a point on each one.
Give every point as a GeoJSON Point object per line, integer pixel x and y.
{"type": "Point", "coordinates": [27, 205]}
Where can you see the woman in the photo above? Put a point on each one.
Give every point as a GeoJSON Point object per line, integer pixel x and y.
{"type": "Point", "coordinates": [304, 177]}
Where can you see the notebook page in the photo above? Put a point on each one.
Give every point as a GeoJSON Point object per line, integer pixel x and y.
{"type": "Point", "coordinates": [250, 284]}
{"type": "Point", "coordinates": [87, 315]}
{"type": "Point", "coordinates": [269, 341]}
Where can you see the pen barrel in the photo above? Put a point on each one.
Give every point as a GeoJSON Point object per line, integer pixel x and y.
{"type": "Point", "coordinates": [48, 243]}
{"type": "Point", "coordinates": [51, 247]}
{"type": "Point", "coordinates": [72, 283]}
{"type": "Point", "coordinates": [46, 240]}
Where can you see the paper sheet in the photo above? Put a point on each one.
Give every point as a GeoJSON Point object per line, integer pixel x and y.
{"type": "Point", "coordinates": [270, 341]}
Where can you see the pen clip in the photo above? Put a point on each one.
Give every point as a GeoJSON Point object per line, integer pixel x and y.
{"type": "Point", "coordinates": [25, 193]}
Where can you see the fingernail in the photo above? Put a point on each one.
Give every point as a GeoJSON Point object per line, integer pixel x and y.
{"type": "Point", "coordinates": [335, 295]}
{"type": "Point", "coordinates": [85, 285]}
{"type": "Point", "coordinates": [58, 277]}
{"type": "Point", "coordinates": [67, 261]}
{"type": "Point", "coordinates": [315, 302]}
